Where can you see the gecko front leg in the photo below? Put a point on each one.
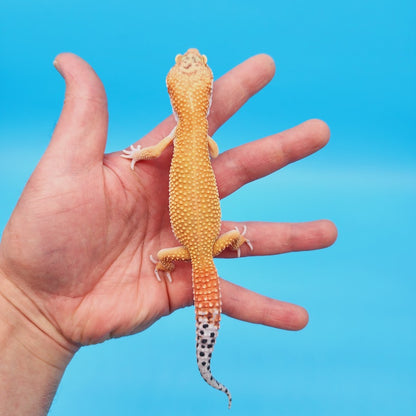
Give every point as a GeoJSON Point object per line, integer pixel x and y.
{"type": "Point", "coordinates": [147, 153]}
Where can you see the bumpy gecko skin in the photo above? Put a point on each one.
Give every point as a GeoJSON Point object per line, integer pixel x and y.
{"type": "Point", "coordinates": [194, 204]}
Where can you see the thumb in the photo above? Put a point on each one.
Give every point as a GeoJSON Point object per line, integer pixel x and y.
{"type": "Point", "coordinates": [80, 135]}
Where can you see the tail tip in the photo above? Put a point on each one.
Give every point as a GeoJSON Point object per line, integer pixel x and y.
{"type": "Point", "coordinates": [221, 387]}
{"type": "Point", "coordinates": [230, 399]}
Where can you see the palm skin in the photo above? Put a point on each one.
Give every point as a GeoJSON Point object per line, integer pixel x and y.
{"type": "Point", "coordinates": [78, 242]}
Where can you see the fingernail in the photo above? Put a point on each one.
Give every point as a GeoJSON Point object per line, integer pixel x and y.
{"type": "Point", "coordinates": [56, 65]}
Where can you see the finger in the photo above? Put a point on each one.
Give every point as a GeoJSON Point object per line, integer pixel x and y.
{"type": "Point", "coordinates": [277, 238]}
{"type": "Point", "coordinates": [230, 92]}
{"type": "Point", "coordinates": [80, 135]}
{"type": "Point", "coordinates": [238, 166]}
{"type": "Point", "coordinates": [243, 304]}
{"type": "Point", "coordinates": [234, 88]}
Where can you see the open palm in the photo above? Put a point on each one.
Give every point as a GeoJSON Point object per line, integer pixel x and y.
{"type": "Point", "coordinates": [79, 240]}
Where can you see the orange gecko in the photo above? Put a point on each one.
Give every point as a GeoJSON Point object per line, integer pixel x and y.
{"type": "Point", "coordinates": [194, 205]}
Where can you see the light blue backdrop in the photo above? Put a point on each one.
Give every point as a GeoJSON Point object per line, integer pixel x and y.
{"type": "Point", "coordinates": [350, 63]}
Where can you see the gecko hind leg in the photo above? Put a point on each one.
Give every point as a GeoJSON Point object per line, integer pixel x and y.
{"type": "Point", "coordinates": [232, 239]}
{"type": "Point", "coordinates": [166, 258]}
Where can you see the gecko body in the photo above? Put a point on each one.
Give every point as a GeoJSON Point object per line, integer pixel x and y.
{"type": "Point", "coordinates": [194, 205]}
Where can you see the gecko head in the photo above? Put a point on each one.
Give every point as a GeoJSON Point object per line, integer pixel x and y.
{"type": "Point", "coordinates": [190, 80]}
{"type": "Point", "coordinates": [191, 62]}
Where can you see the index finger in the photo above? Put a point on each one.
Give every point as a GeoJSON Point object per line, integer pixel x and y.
{"type": "Point", "coordinates": [237, 86]}
{"type": "Point", "coordinates": [230, 92]}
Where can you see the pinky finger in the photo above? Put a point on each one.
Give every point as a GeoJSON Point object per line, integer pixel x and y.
{"type": "Point", "coordinates": [243, 304]}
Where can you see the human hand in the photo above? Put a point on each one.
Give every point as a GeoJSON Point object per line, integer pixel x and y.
{"type": "Point", "coordinates": [78, 242]}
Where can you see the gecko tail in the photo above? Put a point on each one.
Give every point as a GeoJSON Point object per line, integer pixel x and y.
{"type": "Point", "coordinates": [207, 301]}
{"type": "Point", "coordinates": [205, 341]}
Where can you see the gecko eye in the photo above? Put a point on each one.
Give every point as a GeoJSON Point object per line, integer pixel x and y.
{"type": "Point", "coordinates": [177, 58]}
{"type": "Point", "coordinates": [205, 59]}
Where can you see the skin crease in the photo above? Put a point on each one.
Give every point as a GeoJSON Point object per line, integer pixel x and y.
{"type": "Point", "coordinates": [74, 266]}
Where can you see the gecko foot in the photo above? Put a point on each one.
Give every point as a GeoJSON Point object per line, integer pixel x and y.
{"type": "Point", "coordinates": [244, 240]}
{"type": "Point", "coordinates": [133, 153]}
{"type": "Point", "coordinates": [160, 267]}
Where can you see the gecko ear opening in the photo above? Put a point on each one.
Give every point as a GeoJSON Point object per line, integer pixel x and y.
{"type": "Point", "coordinates": [177, 57]}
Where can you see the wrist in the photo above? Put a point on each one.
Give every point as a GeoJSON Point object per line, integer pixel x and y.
{"type": "Point", "coordinates": [23, 319]}
{"type": "Point", "coordinates": [33, 354]}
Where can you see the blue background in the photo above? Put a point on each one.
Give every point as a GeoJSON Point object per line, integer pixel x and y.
{"type": "Point", "coordinates": [352, 64]}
